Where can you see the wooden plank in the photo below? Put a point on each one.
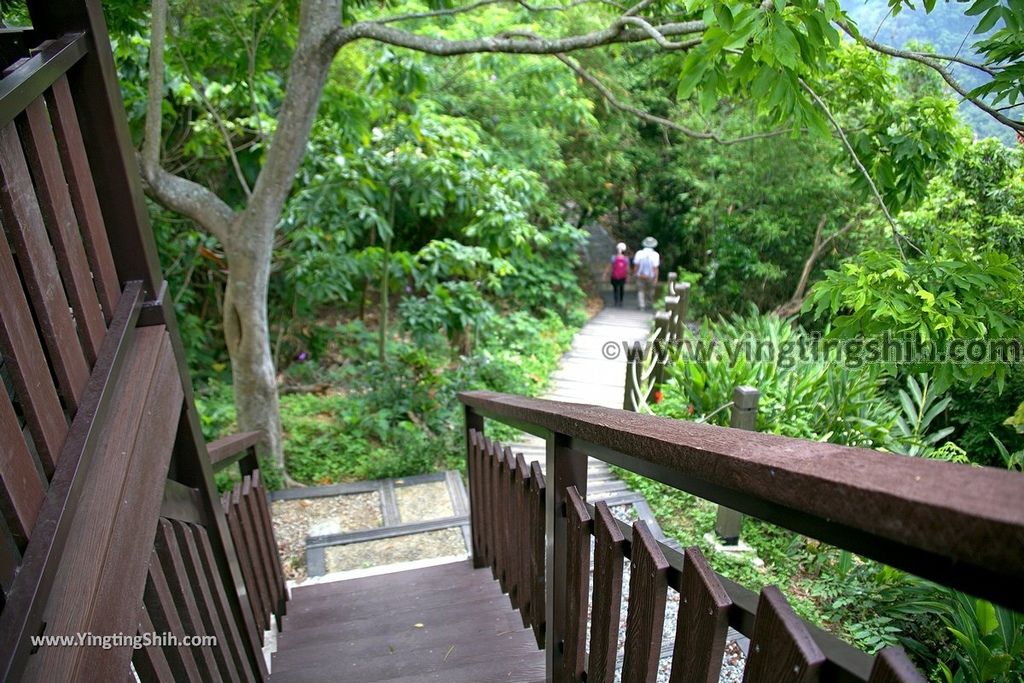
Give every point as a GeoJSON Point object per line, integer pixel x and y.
{"type": "Point", "coordinates": [215, 601]}
{"type": "Point", "coordinates": [62, 226]}
{"type": "Point", "coordinates": [185, 596]}
{"type": "Point", "coordinates": [702, 623]}
{"type": "Point", "coordinates": [577, 583]}
{"type": "Point", "coordinates": [27, 598]}
{"type": "Point", "coordinates": [645, 616]}
{"type": "Point", "coordinates": [538, 552]}
{"type": "Point", "coordinates": [24, 223]}
{"type": "Point", "coordinates": [339, 611]}
{"type": "Point", "coordinates": [21, 482]}
{"type": "Point", "coordinates": [245, 562]}
{"type": "Point", "coordinates": [521, 520]}
{"type": "Point", "coordinates": [161, 607]}
{"type": "Point", "coordinates": [117, 517]}
{"type": "Point", "coordinates": [609, 545]}
{"type": "Point", "coordinates": [893, 666]}
{"type": "Point", "coordinates": [494, 528]}
{"type": "Point", "coordinates": [252, 550]}
{"type": "Point", "coordinates": [268, 530]}
{"type": "Point", "coordinates": [506, 478]}
{"type": "Point", "coordinates": [957, 525]}
{"type": "Point", "coordinates": [27, 366]}
{"type": "Point", "coordinates": [83, 193]}
{"type": "Point", "coordinates": [229, 661]}
{"type": "Point", "coordinates": [473, 470]}
{"type": "Point", "coordinates": [781, 648]}
{"type": "Point", "coordinates": [466, 638]}
{"type": "Point", "coordinates": [265, 555]}
{"type": "Point", "coordinates": [150, 661]}
{"type": "Point", "coordinates": [257, 667]}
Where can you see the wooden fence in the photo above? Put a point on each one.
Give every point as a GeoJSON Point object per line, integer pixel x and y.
{"type": "Point", "coordinates": [957, 525]}
{"type": "Point", "coordinates": [646, 359]}
{"type": "Point", "coordinates": [110, 522]}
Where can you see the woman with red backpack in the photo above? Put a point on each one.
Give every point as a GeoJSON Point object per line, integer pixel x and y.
{"type": "Point", "coordinates": [619, 269]}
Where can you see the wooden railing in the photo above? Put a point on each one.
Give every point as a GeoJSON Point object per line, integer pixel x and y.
{"type": "Point", "coordinates": [646, 358]}
{"type": "Point", "coordinates": [110, 522]}
{"type": "Point", "coordinates": [957, 525]}
{"type": "Point", "coordinates": [252, 532]}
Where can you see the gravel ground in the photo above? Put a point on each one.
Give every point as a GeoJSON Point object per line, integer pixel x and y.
{"type": "Point", "coordinates": [295, 519]}
{"type": "Point", "coordinates": [425, 545]}
{"type": "Point", "coordinates": [421, 502]}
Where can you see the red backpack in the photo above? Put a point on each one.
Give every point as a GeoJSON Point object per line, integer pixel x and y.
{"type": "Point", "coordinates": [620, 267]}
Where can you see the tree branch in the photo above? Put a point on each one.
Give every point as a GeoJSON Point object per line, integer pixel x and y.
{"type": "Point", "coordinates": [929, 61]}
{"type": "Point", "coordinates": [898, 236]}
{"type": "Point", "coordinates": [221, 126]}
{"type": "Point", "coordinates": [511, 42]}
{"type": "Point", "coordinates": [450, 11]}
{"type": "Point", "coordinates": [607, 94]}
{"type": "Point", "coordinates": [155, 87]}
{"type": "Point", "coordinates": [190, 199]}
{"type": "Point", "coordinates": [176, 193]}
{"type": "Point", "coordinates": [657, 35]}
{"type": "Point", "coordinates": [793, 306]}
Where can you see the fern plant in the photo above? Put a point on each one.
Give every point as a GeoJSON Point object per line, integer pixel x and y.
{"type": "Point", "coordinates": [920, 404]}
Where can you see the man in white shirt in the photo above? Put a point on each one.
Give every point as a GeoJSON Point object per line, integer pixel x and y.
{"type": "Point", "coordinates": [645, 270]}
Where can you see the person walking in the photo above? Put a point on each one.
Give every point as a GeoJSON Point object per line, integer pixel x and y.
{"type": "Point", "coordinates": [645, 268]}
{"type": "Point", "coordinates": [618, 268]}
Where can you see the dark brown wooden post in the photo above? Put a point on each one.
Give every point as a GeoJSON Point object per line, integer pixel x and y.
{"type": "Point", "coordinates": [565, 467]}
{"type": "Point", "coordinates": [474, 421]}
{"type": "Point", "coordinates": [744, 416]}
{"type": "Point", "coordinates": [683, 292]}
{"type": "Point", "coordinates": [662, 346]}
{"type": "Point", "coordinates": [634, 366]}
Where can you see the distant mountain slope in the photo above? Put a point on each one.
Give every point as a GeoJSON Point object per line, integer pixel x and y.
{"type": "Point", "coordinates": [946, 29]}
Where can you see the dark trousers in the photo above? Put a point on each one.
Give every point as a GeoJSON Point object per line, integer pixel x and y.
{"type": "Point", "coordinates": [618, 290]}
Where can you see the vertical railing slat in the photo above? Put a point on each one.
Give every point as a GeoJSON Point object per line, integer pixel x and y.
{"type": "Point", "coordinates": [782, 648]}
{"type": "Point", "coordinates": [257, 668]}
{"type": "Point", "coordinates": [184, 595]}
{"type": "Point", "coordinates": [521, 521]}
{"type": "Point", "coordinates": [62, 226]}
{"type": "Point", "coordinates": [83, 194]}
{"type": "Point", "coordinates": [24, 223]}
{"type": "Point", "coordinates": [505, 483]}
{"type": "Point", "coordinates": [703, 623]}
{"type": "Point", "coordinates": [227, 662]}
{"type": "Point", "coordinates": [27, 366]}
{"type": "Point", "coordinates": [538, 502]}
{"type": "Point", "coordinates": [265, 554]}
{"type": "Point", "coordinates": [494, 458]}
{"type": "Point", "coordinates": [150, 661]}
{"type": "Point", "coordinates": [577, 583]}
{"type": "Point", "coordinates": [163, 612]}
{"type": "Point", "coordinates": [263, 513]}
{"type": "Point", "coordinates": [645, 616]}
{"type": "Point", "coordinates": [609, 545]}
{"type": "Point", "coordinates": [21, 484]}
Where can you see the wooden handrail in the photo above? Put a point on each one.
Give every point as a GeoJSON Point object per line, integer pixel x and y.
{"type": "Point", "coordinates": [230, 449]}
{"type": "Point", "coordinates": [959, 525]}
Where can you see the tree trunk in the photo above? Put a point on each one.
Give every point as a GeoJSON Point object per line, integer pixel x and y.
{"type": "Point", "coordinates": [247, 333]}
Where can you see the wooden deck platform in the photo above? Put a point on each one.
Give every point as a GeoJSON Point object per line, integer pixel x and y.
{"type": "Point", "coordinates": [446, 623]}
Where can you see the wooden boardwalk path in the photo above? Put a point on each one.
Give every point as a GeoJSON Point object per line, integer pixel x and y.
{"type": "Point", "coordinates": [449, 623]}
{"type": "Point", "coordinates": [587, 374]}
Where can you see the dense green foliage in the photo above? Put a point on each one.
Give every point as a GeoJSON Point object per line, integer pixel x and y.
{"type": "Point", "coordinates": [431, 243]}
